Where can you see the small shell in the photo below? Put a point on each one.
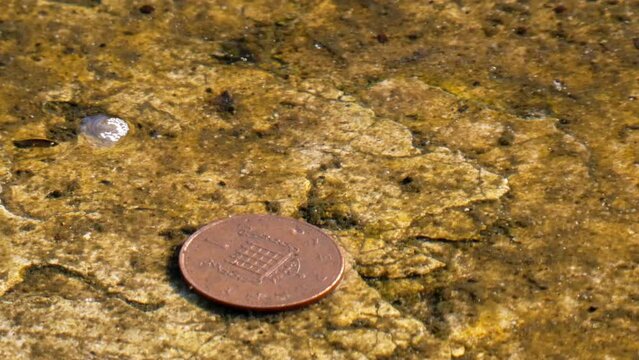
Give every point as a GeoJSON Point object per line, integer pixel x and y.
{"type": "Point", "coordinates": [103, 130]}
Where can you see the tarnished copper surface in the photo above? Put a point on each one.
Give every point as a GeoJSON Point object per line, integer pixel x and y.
{"type": "Point", "coordinates": [261, 262]}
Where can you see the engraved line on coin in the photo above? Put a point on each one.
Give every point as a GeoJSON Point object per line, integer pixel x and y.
{"type": "Point", "coordinates": [247, 230]}
{"type": "Point", "coordinates": [257, 259]}
{"type": "Point", "coordinates": [215, 243]}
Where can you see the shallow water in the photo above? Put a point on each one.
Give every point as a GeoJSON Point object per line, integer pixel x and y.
{"type": "Point", "coordinates": [477, 161]}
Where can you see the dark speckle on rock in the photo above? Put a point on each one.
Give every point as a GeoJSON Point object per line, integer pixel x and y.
{"type": "Point", "coordinates": [475, 160]}
{"type": "Point", "coordinates": [236, 51]}
{"type": "Point", "coordinates": [408, 184]}
{"type": "Point", "coordinates": [407, 180]}
{"type": "Point", "coordinates": [34, 143]}
{"type": "Point", "coordinates": [225, 103]}
{"type": "Point", "coordinates": [507, 138]}
{"type": "Point", "coordinates": [559, 9]}
{"type": "Point", "coordinates": [272, 207]}
{"type": "Point", "coordinates": [55, 194]}
{"type": "Point", "coordinates": [146, 9]}
{"type": "Point", "coordinates": [62, 132]}
{"type": "Point", "coordinates": [23, 174]}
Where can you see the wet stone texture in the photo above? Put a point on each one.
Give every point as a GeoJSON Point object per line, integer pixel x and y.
{"type": "Point", "coordinates": [478, 161]}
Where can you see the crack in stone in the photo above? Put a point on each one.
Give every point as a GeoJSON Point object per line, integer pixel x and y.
{"type": "Point", "coordinates": [204, 343]}
{"type": "Point", "coordinates": [444, 240]}
{"type": "Point", "coordinates": [92, 283]}
{"type": "Point", "coordinates": [483, 105]}
{"type": "Point", "coordinates": [11, 212]}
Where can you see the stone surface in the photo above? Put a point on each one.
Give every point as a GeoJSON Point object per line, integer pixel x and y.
{"type": "Point", "coordinates": [477, 162]}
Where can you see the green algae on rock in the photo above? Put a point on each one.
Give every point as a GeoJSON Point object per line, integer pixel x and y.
{"type": "Point", "coordinates": [476, 160]}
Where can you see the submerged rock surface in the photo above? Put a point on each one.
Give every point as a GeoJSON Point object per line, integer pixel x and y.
{"type": "Point", "coordinates": [477, 161]}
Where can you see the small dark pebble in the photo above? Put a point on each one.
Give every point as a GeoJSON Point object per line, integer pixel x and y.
{"type": "Point", "coordinates": [408, 184]}
{"type": "Point", "coordinates": [34, 143]}
{"type": "Point", "coordinates": [559, 9]}
{"type": "Point", "coordinates": [506, 139]}
{"type": "Point", "coordinates": [23, 174]}
{"type": "Point", "coordinates": [382, 38]}
{"type": "Point", "coordinates": [521, 30]}
{"type": "Point", "coordinates": [225, 102]}
{"type": "Point", "coordinates": [55, 194]}
{"type": "Point", "coordinates": [236, 51]}
{"type": "Point", "coordinates": [333, 164]}
{"type": "Point", "coordinates": [99, 227]}
{"type": "Point", "coordinates": [407, 180]}
{"type": "Point", "coordinates": [272, 207]}
{"type": "Point", "coordinates": [27, 228]}
{"type": "Point", "coordinates": [154, 134]}
{"type": "Point", "coordinates": [147, 9]}
{"type": "Point", "coordinates": [635, 41]}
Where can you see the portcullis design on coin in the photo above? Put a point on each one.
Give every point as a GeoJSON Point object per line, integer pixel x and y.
{"type": "Point", "coordinates": [261, 262]}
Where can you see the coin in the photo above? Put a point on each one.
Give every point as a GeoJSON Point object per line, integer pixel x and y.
{"type": "Point", "coordinates": [261, 262]}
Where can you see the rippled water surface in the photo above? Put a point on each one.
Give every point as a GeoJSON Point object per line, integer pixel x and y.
{"type": "Point", "coordinates": [478, 161]}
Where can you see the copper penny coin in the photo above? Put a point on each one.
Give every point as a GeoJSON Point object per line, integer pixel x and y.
{"type": "Point", "coordinates": [261, 262]}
